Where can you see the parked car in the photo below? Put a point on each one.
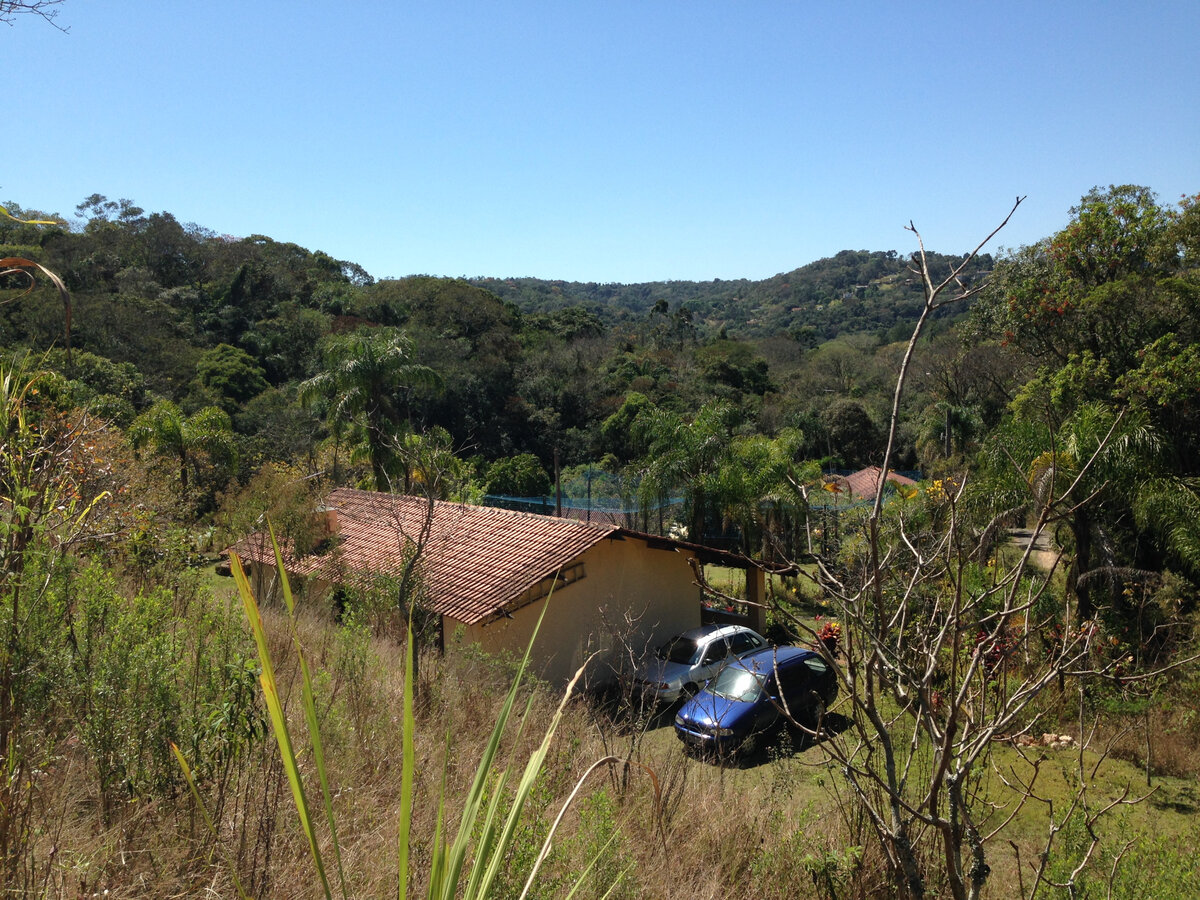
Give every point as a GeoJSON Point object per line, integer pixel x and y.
{"type": "Point", "coordinates": [747, 699]}
{"type": "Point", "coordinates": [681, 666]}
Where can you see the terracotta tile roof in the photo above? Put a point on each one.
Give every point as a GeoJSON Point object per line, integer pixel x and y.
{"type": "Point", "coordinates": [862, 485]}
{"type": "Point", "coordinates": [475, 560]}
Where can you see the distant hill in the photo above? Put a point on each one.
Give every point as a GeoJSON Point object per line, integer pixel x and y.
{"type": "Point", "coordinates": [854, 291]}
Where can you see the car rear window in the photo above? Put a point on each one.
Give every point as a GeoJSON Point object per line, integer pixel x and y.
{"type": "Point", "coordinates": [816, 665]}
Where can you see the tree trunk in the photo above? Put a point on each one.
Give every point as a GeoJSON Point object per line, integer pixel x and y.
{"type": "Point", "coordinates": [1081, 524]}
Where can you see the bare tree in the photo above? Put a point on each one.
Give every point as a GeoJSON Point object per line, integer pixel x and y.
{"type": "Point", "coordinates": [396, 599]}
{"type": "Point", "coordinates": [944, 655]}
{"type": "Point", "coordinates": [47, 9]}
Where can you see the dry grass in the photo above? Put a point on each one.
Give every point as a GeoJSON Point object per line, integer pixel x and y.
{"type": "Point", "coordinates": [773, 828]}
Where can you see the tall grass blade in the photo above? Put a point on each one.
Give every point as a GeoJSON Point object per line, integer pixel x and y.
{"type": "Point", "coordinates": [252, 614]}
{"type": "Point", "coordinates": [579, 882]}
{"type": "Point", "coordinates": [492, 848]}
{"type": "Point", "coordinates": [310, 710]}
{"type": "Point", "coordinates": [278, 720]}
{"type": "Point", "coordinates": [478, 825]}
{"type": "Point", "coordinates": [314, 733]}
{"type": "Point", "coordinates": [486, 838]}
{"type": "Point", "coordinates": [616, 881]}
{"type": "Point", "coordinates": [457, 852]}
{"type": "Point", "coordinates": [285, 585]}
{"type": "Point", "coordinates": [4, 212]}
{"type": "Point", "coordinates": [409, 756]}
{"type": "Point", "coordinates": [546, 844]}
{"type": "Point", "coordinates": [437, 865]}
{"type": "Point", "coordinates": [290, 766]}
{"type": "Point", "coordinates": [212, 828]}
{"type": "Point", "coordinates": [532, 769]}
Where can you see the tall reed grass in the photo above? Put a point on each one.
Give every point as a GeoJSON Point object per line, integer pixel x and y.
{"type": "Point", "coordinates": [466, 865]}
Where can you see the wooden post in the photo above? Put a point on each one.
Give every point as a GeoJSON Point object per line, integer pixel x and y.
{"type": "Point", "coordinates": [756, 596]}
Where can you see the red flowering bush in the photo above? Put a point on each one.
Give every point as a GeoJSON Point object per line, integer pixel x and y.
{"type": "Point", "coordinates": [999, 649]}
{"type": "Point", "coordinates": [829, 635]}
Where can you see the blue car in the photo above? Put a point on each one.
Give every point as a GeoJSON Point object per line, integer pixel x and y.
{"type": "Point", "coordinates": [747, 698]}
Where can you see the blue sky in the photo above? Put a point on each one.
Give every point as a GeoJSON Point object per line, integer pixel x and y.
{"type": "Point", "coordinates": [615, 141]}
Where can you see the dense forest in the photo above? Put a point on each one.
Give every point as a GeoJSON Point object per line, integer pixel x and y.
{"type": "Point", "coordinates": [167, 312]}
{"type": "Point", "coordinates": [166, 388]}
{"type": "Point", "coordinates": [850, 293]}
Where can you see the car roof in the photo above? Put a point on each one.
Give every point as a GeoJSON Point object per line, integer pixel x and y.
{"type": "Point", "coordinates": [703, 633]}
{"type": "Point", "coordinates": [699, 632]}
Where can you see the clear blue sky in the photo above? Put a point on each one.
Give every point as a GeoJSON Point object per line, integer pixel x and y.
{"type": "Point", "coordinates": [614, 141]}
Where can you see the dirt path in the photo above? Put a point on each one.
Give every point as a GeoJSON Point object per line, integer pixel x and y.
{"type": "Point", "coordinates": [1044, 554]}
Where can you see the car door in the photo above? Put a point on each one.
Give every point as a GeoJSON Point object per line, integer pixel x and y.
{"type": "Point", "coordinates": [822, 681]}
{"type": "Point", "coordinates": [712, 660]}
{"type": "Point", "coordinates": [797, 690]}
{"type": "Point", "coordinates": [768, 709]}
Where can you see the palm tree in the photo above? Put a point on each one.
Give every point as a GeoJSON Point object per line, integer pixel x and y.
{"type": "Point", "coordinates": [365, 371]}
{"type": "Point", "coordinates": [430, 465]}
{"type": "Point", "coordinates": [761, 491]}
{"type": "Point", "coordinates": [1169, 506]}
{"type": "Point", "coordinates": [686, 456]}
{"type": "Point", "coordinates": [168, 432]}
{"type": "Point", "coordinates": [946, 427]}
{"type": "Point", "coordinates": [1093, 468]}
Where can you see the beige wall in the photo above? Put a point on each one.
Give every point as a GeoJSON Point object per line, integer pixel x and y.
{"type": "Point", "coordinates": [632, 596]}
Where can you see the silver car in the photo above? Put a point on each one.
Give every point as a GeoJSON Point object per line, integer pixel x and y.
{"type": "Point", "coordinates": [681, 666]}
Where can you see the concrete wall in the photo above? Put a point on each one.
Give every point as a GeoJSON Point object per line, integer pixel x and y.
{"type": "Point", "coordinates": [632, 597]}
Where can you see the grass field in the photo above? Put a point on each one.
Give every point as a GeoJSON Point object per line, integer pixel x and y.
{"type": "Point", "coordinates": [781, 824]}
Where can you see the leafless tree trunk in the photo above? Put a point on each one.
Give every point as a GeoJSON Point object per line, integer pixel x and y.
{"type": "Point", "coordinates": [896, 826]}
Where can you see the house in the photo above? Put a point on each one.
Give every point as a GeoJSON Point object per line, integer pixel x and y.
{"type": "Point", "coordinates": [864, 484]}
{"type": "Point", "coordinates": [489, 573]}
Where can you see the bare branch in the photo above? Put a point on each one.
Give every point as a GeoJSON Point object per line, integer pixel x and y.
{"type": "Point", "coordinates": [45, 9]}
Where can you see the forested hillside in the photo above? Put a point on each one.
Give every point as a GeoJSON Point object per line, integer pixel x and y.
{"type": "Point", "coordinates": [854, 292]}
{"type": "Point", "coordinates": [183, 387]}
{"type": "Point", "coordinates": [300, 358]}
{"type": "Point", "coordinates": [166, 311]}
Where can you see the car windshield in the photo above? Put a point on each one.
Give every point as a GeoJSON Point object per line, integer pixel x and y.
{"type": "Point", "coordinates": [684, 651]}
{"type": "Point", "coordinates": [736, 683]}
